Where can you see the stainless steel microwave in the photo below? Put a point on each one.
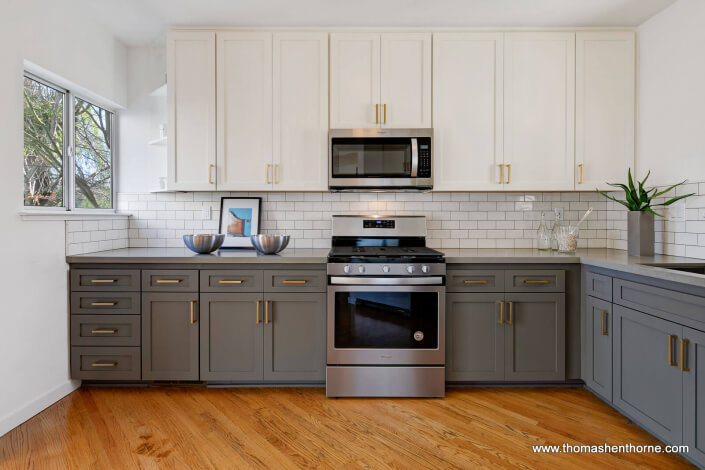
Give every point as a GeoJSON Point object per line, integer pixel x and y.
{"type": "Point", "coordinates": [380, 159]}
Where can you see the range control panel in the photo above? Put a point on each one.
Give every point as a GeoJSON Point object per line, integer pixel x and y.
{"type": "Point", "coordinates": [378, 223]}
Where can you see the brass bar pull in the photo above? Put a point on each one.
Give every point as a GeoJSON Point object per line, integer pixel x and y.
{"type": "Point", "coordinates": [227, 281]}
{"type": "Point", "coordinates": [684, 350]}
{"type": "Point", "coordinates": [104, 364]}
{"type": "Point", "coordinates": [385, 114]}
{"type": "Point", "coordinates": [670, 350]}
{"type": "Point", "coordinates": [103, 281]}
{"type": "Point", "coordinates": [276, 178]}
{"type": "Point", "coordinates": [580, 181]}
{"type": "Point", "coordinates": [501, 173]}
{"type": "Point", "coordinates": [501, 312]}
{"type": "Point", "coordinates": [297, 281]}
{"type": "Point", "coordinates": [193, 307]}
{"type": "Point", "coordinates": [210, 173]}
{"type": "Point", "coordinates": [103, 304]}
{"type": "Point", "coordinates": [106, 331]}
{"type": "Point", "coordinates": [266, 312]}
{"type": "Point", "coordinates": [469, 281]}
{"type": "Point", "coordinates": [257, 319]}
{"type": "Point", "coordinates": [604, 323]}
{"type": "Point", "coordinates": [168, 281]}
{"type": "Point", "coordinates": [509, 173]}
{"type": "Point", "coordinates": [529, 281]}
{"type": "Point", "coordinates": [376, 113]}
{"type": "Point", "coordinates": [267, 173]}
{"type": "Point", "coordinates": [510, 321]}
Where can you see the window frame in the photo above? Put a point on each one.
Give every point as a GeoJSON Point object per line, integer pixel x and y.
{"type": "Point", "coordinates": [69, 148]}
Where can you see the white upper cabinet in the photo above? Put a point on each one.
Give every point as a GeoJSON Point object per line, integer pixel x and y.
{"type": "Point", "coordinates": [244, 111]}
{"type": "Point", "coordinates": [380, 80]}
{"type": "Point", "coordinates": [604, 121]}
{"type": "Point", "coordinates": [539, 111]}
{"type": "Point", "coordinates": [300, 112]}
{"type": "Point", "coordinates": [467, 111]}
{"type": "Point", "coordinates": [191, 109]}
{"type": "Point", "coordinates": [354, 80]}
{"type": "Point", "coordinates": [405, 88]}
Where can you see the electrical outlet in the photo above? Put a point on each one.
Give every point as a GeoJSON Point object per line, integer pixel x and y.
{"type": "Point", "coordinates": [558, 212]}
{"type": "Point", "coordinates": [206, 212]}
{"type": "Point", "coordinates": [676, 212]}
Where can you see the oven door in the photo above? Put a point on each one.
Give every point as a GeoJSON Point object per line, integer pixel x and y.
{"type": "Point", "coordinates": [386, 325]}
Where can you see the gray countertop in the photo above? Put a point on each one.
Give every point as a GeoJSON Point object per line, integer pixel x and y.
{"type": "Point", "coordinates": [603, 258]}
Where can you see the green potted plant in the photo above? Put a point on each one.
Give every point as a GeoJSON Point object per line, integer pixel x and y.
{"type": "Point", "coordinates": [640, 219]}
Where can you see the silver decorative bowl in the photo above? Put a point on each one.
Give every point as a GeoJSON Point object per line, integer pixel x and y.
{"type": "Point", "coordinates": [269, 244]}
{"type": "Point", "coordinates": [204, 243]}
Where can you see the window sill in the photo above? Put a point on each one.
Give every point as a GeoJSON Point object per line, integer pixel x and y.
{"type": "Point", "coordinates": [67, 215]}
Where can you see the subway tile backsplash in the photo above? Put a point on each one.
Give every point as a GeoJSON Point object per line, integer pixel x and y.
{"type": "Point", "coordinates": [88, 236]}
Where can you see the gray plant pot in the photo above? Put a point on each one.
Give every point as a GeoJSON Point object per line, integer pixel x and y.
{"type": "Point", "coordinates": [640, 234]}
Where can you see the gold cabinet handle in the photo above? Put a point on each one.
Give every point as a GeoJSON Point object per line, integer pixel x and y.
{"type": "Point", "coordinates": [257, 318]}
{"type": "Point", "coordinates": [509, 173]}
{"type": "Point", "coordinates": [471, 281]}
{"type": "Point", "coordinates": [168, 281]}
{"type": "Point", "coordinates": [276, 178]}
{"type": "Point", "coordinates": [267, 172]}
{"type": "Point", "coordinates": [604, 323]}
{"type": "Point", "coordinates": [103, 281]}
{"type": "Point", "coordinates": [103, 304]}
{"type": "Point", "coordinates": [510, 321]}
{"type": "Point", "coordinates": [104, 364]}
{"type": "Point", "coordinates": [376, 113]}
{"type": "Point", "coordinates": [192, 308]}
{"type": "Point", "coordinates": [580, 181]}
{"type": "Point", "coordinates": [670, 350]}
{"type": "Point", "coordinates": [684, 349]}
{"type": "Point", "coordinates": [230, 281]}
{"type": "Point", "coordinates": [385, 114]}
{"type": "Point", "coordinates": [530, 281]}
{"type": "Point", "coordinates": [106, 331]}
{"type": "Point", "coordinates": [210, 174]}
{"type": "Point", "coordinates": [266, 312]}
{"type": "Point", "coordinates": [296, 281]}
{"type": "Point", "coordinates": [501, 312]}
{"type": "Point", "coordinates": [501, 173]}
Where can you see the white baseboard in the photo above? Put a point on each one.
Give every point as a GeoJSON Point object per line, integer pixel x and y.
{"type": "Point", "coordinates": [11, 421]}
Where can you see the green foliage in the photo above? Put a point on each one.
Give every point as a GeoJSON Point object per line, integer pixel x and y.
{"type": "Point", "coordinates": [639, 199]}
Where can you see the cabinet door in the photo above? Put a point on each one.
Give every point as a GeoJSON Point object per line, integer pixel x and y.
{"type": "Point", "coordinates": [232, 337]}
{"type": "Point", "coordinates": [406, 80]}
{"type": "Point", "coordinates": [535, 337]}
{"type": "Point", "coordinates": [244, 111]}
{"type": "Point", "coordinates": [191, 108]}
{"type": "Point", "coordinates": [539, 111]}
{"type": "Point", "coordinates": [648, 384]}
{"type": "Point", "coordinates": [597, 371]}
{"type": "Point", "coordinates": [694, 394]}
{"type": "Point", "coordinates": [354, 80]}
{"type": "Point", "coordinates": [604, 107]}
{"type": "Point", "coordinates": [169, 336]}
{"type": "Point", "coordinates": [295, 337]}
{"type": "Point", "coordinates": [300, 112]}
{"type": "Point", "coordinates": [474, 337]}
{"type": "Point", "coordinates": [467, 111]}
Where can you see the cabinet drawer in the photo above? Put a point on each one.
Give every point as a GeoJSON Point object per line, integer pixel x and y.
{"type": "Point", "coordinates": [295, 281]}
{"type": "Point", "coordinates": [109, 303]}
{"type": "Point", "coordinates": [598, 285]}
{"type": "Point", "coordinates": [170, 280]}
{"type": "Point", "coordinates": [111, 363]}
{"type": "Point", "coordinates": [231, 281]}
{"type": "Point", "coordinates": [535, 281]}
{"type": "Point", "coordinates": [655, 300]}
{"type": "Point", "coordinates": [105, 280]}
{"type": "Point", "coordinates": [475, 281]}
{"type": "Point", "coordinates": [105, 330]}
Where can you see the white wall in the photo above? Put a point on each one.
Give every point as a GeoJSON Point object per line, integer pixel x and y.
{"type": "Point", "coordinates": [34, 345]}
{"type": "Point", "coordinates": [671, 96]}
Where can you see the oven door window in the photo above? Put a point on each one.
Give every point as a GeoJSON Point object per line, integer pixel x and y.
{"type": "Point", "coordinates": [380, 157]}
{"type": "Point", "coordinates": [386, 320]}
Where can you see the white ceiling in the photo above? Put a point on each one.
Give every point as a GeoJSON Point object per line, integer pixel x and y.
{"type": "Point", "coordinates": [138, 22]}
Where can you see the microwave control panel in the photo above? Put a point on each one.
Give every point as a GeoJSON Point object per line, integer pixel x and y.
{"type": "Point", "coordinates": [424, 170]}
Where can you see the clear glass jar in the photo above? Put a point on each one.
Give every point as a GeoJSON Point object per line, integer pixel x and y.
{"type": "Point", "coordinates": [554, 232]}
{"type": "Point", "coordinates": [543, 235]}
{"type": "Point", "coordinates": [567, 238]}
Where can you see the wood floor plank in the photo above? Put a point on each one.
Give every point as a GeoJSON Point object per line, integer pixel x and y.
{"type": "Point", "coordinates": [289, 428]}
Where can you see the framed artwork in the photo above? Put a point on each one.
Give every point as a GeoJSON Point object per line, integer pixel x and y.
{"type": "Point", "coordinates": [239, 218]}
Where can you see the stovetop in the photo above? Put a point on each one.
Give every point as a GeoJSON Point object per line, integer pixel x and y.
{"type": "Point", "coordinates": [387, 254]}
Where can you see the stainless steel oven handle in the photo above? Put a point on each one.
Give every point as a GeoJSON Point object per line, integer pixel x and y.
{"type": "Point", "coordinates": [414, 157]}
{"type": "Point", "coordinates": [386, 281]}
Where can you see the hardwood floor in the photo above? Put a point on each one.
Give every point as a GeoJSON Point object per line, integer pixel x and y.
{"type": "Point", "coordinates": [119, 428]}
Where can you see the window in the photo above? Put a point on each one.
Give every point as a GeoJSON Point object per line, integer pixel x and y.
{"type": "Point", "coordinates": [68, 149]}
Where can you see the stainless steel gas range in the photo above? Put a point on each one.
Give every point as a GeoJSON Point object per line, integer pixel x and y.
{"type": "Point", "coordinates": [386, 309]}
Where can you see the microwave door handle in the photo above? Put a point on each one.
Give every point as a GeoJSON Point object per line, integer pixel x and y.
{"type": "Point", "coordinates": [414, 157]}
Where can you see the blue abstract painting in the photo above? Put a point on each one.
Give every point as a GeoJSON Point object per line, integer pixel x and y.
{"type": "Point", "coordinates": [240, 222]}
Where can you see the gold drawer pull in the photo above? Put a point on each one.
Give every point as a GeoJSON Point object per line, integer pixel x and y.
{"type": "Point", "coordinates": [528, 281]}
{"type": "Point", "coordinates": [301, 281]}
{"type": "Point", "coordinates": [266, 312]}
{"type": "Point", "coordinates": [510, 321]}
{"type": "Point", "coordinates": [104, 364]}
{"type": "Point", "coordinates": [226, 281]}
{"type": "Point", "coordinates": [103, 304]}
{"type": "Point", "coordinates": [670, 350]}
{"type": "Point", "coordinates": [684, 345]}
{"type": "Point", "coordinates": [604, 323]}
{"type": "Point", "coordinates": [107, 331]}
{"type": "Point", "coordinates": [168, 281]}
{"type": "Point", "coordinates": [501, 312]}
{"type": "Point", "coordinates": [192, 305]}
{"type": "Point", "coordinates": [103, 281]}
{"type": "Point", "coordinates": [257, 318]}
{"type": "Point", "coordinates": [467, 281]}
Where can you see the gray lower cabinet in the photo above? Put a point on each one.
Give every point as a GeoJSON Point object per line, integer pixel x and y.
{"type": "Point", "coordinates": [648, 383]}
{"type": "Point", "coordinates": [232, 327]}
{"type": "Point", "coordinates": [693, 354]}
{"type": "Point", "coordinates": [295, 337]}
{"type": "Point", "coordinates": [535, 337]}
{"type": "Point", "coordinates": [474, 337]}
{"type": "Point", "coordinates": [597, 363]}
{"type": "Point", "coordinates": [170, 336]}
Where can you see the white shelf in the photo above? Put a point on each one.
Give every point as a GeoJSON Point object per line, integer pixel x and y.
{"type": "Point", "coordinates": [159, 92]}
{"type": "Point", "coordinates": [160, 142]}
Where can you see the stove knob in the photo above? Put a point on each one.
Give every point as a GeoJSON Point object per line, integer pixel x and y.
{"type": "Point", "coordinates": [386, 268]}
{"type": "Point", "coordinates": [410, 269]}
{"type": "Point", "coordinates": [426, 269]}
{"type": "Point", "coordinates": [346, 269]}
{"type": "Point", "coordinates": [361, 269]}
